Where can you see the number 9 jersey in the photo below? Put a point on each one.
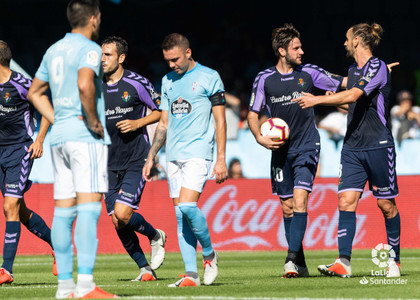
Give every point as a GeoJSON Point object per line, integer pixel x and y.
{"type": "Point", "coordinates": [59, 67]}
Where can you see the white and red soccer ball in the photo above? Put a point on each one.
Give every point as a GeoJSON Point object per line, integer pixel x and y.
{"type": "Point", "coordinates": [275, 128]}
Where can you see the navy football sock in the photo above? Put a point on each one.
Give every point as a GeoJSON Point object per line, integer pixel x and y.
{"type": "Point", "coordinates": [11, 241]}
{"type": "Point", "coordinates": [298, 228]}
{"type": "Point", "coordinates": [131, 244]}
{"type": "Point", "coordinates": [139, 224]}
{"type": "Point", "coordinates": [346, 232]}
{"type": "Point", "coordinates": [393, 230]}
{"type": "Point", "coordinates": [300, 256]}
{"type": "Point", "coordinates": [37, 226]}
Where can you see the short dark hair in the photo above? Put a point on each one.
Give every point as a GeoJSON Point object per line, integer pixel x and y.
{"type": "Point", "coordinates": [5, 54]}
{"type": "Point", "coordinates": [80, 11]}
{"type": "Point", "coordinates": [175, 40]}
{"type": "Point", "coordinates": [282, 36]}
{"type": "Point", "coordinates": [370, 34]}
{"type": "Point", "coordinates": [120, 43]}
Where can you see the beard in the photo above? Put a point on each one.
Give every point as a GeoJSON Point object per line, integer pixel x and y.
{"type": "Point", "coordinates": [349, 53]}
{"type": "Point", "coordinates": [292, 62]}
{"type": "Point", "coordinates": [95, 34]}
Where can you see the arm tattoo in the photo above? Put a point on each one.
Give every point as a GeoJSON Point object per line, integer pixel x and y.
{"type": "Point", "coordinates": [158, 141]}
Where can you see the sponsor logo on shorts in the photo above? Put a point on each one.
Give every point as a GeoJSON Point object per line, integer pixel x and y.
{"type": "Point", "coordinates": [180, 108]}
{"type": "Point", "coordinates": [125, 195]}
{"type": "Point", "coordinates": [304, 183]}
{"type": "Point", "coordinates": [380, 189]}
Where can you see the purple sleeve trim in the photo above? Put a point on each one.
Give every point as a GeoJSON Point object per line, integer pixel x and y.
{"type": "Point", "coordinates": [258, 94]}
{"type": "Point", "coordinates": [323, 79]}
{"type": "Point", "coordinates": [144, 89]}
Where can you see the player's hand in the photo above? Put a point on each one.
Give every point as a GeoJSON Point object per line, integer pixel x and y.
{"type": "Point", "coordinates": [220, 170]}
{"type": "Point", "coordinates": [391, 65]}
{"type": "Point", "coordinates": [127, 125]}
{"type": "Point", "coordinates": [306, 101]}
{"type": "Point", "coordinates": [95, 127]}
{"type": "Point", "coordinates": [36, 149]}
{"type": "Point", "coordinates": [148, 165]}
{"type": "Point", "coordinates": [269, 143]}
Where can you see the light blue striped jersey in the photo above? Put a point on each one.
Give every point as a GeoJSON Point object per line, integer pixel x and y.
{"type": "Point", "coordinates": [59, 67]}
{"type": "Point", "coordinates": [186, 97]}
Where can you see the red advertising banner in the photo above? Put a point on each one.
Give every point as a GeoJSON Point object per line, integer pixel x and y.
{"type": "Point", "coordinates": [242, 214]}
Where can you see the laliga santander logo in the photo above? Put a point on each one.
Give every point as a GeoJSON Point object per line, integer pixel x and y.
{"type": "Point", "coordinates": [380, 255]}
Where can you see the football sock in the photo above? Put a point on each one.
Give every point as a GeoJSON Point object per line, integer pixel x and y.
{"type": "Point", "coordinates": [393, 230]}
{"type": "Point", "coordinates": [131, 244]}
{"type": "Point", "coordinates": [37, 226]}
{"type": "Point", "coordinates": [139, 224]}
{"type": "Point", "coordinates": [84, 285]}
{"type": "Point", "coordinates": [192, 274]}
{"type": "Point", "coordinates": [298, 228]}
{"type": "Point", "coordinates": [61, 236]}
{"type": "Point", "coordinates": [209, 257]}
{"type": "Point", "coordinates": [198, 225]}
{"type": "Point", "coordinates": [300, 257]}
{"type": "Point", "coordinates": [346, 232]}
{"type": "Point", "coordinates": [187, 242]}
{"type": "Point", "coordinates": [11, 241]}
{"type": "Point", "coordinates": [85, 238]}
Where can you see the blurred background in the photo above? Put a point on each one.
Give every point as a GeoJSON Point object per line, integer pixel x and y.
{"type": "Point", "coordinates": [233, 37]}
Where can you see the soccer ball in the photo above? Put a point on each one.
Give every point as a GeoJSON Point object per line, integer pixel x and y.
{"type": "Point", "coordinates": [275, 128]}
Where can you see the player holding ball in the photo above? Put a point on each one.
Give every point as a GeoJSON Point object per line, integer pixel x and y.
{"type": "Point", "coordinates": [294, 162]}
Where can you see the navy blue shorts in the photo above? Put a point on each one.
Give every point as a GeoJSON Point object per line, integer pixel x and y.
{"type": "Point", "coordinates": [291, 171]}
{"type": "Point", "coordinates": [15, 167]}
{"type": "Point", "coordinates": [376, 166]}
{"type": "Point", "coordinates": [126, 187]}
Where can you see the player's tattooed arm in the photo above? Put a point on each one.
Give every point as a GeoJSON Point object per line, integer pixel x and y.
{"type": "Point", "coordinates": [158, 141]}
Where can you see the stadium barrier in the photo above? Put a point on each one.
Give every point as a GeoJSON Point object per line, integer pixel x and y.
{"type": "Point", "coordinates": [242, 214]}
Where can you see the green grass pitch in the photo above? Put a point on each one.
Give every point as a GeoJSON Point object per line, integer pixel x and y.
{"type": "Point", "coordinates": [242, 275]}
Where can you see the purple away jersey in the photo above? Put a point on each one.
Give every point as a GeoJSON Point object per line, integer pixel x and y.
{"type": "Point", "coordinates": [16, 113]}
{"type": "Point", "coordinates": [274, 91]}
{"type": "Point", "coordinates": [367, 120]}
{"type": "Point", "coordinates": [128, 99]}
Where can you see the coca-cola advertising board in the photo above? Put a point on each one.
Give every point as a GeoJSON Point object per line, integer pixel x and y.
{"type": "Point", "coordinates": [243, 214]}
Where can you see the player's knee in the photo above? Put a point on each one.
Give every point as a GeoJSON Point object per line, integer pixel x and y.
{"type": "Point", "coordinates": [122, 215]}
{"type": "Point", "coordinates": [11, 208]}
{"type": "Point", "coordinates": [346, 203]}
{"type": "Point", "coordinates": [388, 207]}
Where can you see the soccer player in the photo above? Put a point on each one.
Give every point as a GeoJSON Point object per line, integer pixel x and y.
{"type": "Point", "coordinates": [191, 94]}
{"type": "Point", "coordinates": [127, 96]}
{"type": "Point", "coordinates": [294, 163]}
{"type": "Point", "coordinates": [71, 68]}
{"type": "Point", "coordinates": [368, 152]}
{"type": "Point", "coordinates": [17, 152]}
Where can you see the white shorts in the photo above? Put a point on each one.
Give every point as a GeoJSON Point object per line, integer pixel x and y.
{"type": "Point", "coordinates": [191, 174]}
{"type": "Point", "coordinates": [79, 167]}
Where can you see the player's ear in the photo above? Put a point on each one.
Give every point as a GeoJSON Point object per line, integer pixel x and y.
{"type": "Point", "coordinates": [121, 59]}
{"type": "Point", "coordinates": [188, 53]}
{"type": "Point", "coordinates": [282, 52]}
